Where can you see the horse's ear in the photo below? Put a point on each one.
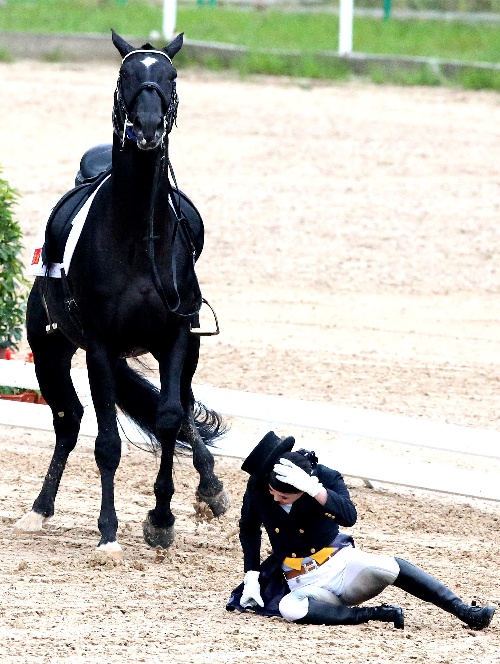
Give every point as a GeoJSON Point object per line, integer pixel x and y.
{"type": "Point", "coordinates": [174, 46]}
{"type": "Point", "coordinates": [123, 47]}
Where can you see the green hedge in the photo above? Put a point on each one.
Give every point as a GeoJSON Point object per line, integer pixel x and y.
{"type": "Point", "coordinates": [13, 286]}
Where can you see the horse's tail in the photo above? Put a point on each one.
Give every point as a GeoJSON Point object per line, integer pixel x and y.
{"type": "Point", "coordinates": [138, 398]}
{"type": "Point", "coordinates": [210, 424]}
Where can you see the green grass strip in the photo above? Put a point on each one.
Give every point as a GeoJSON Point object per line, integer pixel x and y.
{"type": "Point", "coordinates": [268, 29]}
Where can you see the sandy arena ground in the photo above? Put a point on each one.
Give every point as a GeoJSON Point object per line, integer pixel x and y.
{"type": "Point", "coordinates": [353, 256]}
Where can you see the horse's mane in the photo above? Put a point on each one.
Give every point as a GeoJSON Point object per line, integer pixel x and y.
{"type": "Point", "coordinates": [148, 47]}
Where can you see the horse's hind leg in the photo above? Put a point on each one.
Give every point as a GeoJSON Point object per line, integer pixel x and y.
{"type": "Point", "coordinates": [52, 355]}
{"type": "Point", "coordinates": [210, 489]}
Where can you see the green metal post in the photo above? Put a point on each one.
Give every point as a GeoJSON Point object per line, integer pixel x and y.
{"type": "Point", "coordinates": [387, 10]}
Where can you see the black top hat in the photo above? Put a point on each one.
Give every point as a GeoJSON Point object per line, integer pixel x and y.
{"type": "Point", "coordinates": [264, 455]}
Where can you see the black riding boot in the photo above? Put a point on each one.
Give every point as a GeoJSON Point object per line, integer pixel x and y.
{"type": "Point", "coordinates": [424, 586]}
{"type": "Point", "coordinates": [323, 613]}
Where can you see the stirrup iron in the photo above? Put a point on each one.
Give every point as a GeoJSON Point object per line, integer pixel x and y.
{"type": "Point", "coordinates": [207, 333]}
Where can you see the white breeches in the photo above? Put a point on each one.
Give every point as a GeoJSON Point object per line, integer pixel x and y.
{"type": "Point", "coordinates": [351, 577]}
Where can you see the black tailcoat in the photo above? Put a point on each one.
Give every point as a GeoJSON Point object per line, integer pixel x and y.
{"type": "Point", "coordinates": [306, 529]}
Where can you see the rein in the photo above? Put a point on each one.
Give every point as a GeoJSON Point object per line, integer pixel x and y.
{"type": "Point", "coordinates": [180, 218]}
{"type": "Point", "coordinates": [171, 306]}
{"type": "Point", "coordinates": [182, 222]}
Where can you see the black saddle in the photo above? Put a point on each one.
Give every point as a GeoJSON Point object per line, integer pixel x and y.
{"type": "Point", "coordinates": [95, 161]}
{"type": "Point", "coordinates": [61, 218]}
{"type": "Point", "coordinates": [95, 166]}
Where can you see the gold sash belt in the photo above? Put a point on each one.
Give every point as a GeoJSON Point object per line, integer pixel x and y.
{"type": "Point", "coordinates": [298, 567]}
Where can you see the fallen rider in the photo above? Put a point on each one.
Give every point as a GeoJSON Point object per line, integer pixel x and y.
{"type": "Point", "coordinates": [315, 574]}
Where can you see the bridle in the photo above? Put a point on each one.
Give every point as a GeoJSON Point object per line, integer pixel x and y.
{"type": "Point", "coordinates": [122, 127]}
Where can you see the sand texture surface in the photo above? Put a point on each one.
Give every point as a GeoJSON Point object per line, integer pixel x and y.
{"type": "Point", "coordinates": [353, 256]}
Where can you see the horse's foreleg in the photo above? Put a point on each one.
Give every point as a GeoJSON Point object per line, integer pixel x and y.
{"type": "Point", "coordinates": [101, 366]}
{"type": "Point", "coordinates": [52, 355]}
{"type": "Point", "coordinates": [158, 527]}
{"type": "Point", "coordinates": [210, 489]}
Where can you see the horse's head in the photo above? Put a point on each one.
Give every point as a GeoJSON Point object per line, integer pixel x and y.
{"type": "Point", "coordinates": [145, 99]}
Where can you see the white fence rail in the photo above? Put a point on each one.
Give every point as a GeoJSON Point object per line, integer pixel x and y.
{"type": "Point", "coordinates": [273, 410]}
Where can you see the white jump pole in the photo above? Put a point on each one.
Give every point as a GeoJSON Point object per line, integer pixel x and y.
{"type": "Point", "coordinates": [346, 11]}
{"type": "Point", "coordinates": [169, 18]}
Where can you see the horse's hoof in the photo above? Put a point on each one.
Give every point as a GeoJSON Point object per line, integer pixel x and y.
{"type": "Point", "coordinates": [30, 523]}
{"type": "Point", "coordinates": [111, 550]}
{"type": "Point", "coordinates": [157, 537]}
{"type": "Point", "coordinates": [219, 504]}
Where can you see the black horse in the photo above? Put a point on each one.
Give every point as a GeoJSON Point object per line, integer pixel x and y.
{"type": "Point", "coordinates": [131, 289]}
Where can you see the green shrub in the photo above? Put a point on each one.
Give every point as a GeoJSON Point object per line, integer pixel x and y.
{"type": "Point", "coordinates": [13, 285]}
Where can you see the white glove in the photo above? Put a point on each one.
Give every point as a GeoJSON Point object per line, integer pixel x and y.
{"type": "Point", "coordinates": [251, 592]}
{"type": "Point", "coordinates": [287, 472]}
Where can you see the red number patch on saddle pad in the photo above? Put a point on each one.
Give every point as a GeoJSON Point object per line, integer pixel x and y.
{"type": "Point", "coordinates": [37, 254]}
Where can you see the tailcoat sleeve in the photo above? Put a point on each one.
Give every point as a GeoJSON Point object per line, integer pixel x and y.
{"type": "Point", "coordinates": [250, 528]}
{"type": "Point", "coordinates": [339, 505]}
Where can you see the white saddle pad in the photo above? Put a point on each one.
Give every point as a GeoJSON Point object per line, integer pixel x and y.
{"type": "Point", "coordinates": [37, 267]}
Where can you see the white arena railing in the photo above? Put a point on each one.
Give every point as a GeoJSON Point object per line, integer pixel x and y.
{"type": "Point", "coordinates": [350, 424]}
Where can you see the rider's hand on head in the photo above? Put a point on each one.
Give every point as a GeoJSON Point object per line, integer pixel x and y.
{"type": "Point", "coordinates": [287, 472]}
